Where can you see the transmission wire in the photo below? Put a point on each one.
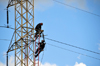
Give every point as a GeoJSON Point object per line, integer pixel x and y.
{"type": "Point", "coordinates": [77, 8]}
{"type": "Point", "coordinates": [73, 46]}
{"type": "Point", "coordinates": [73, 51]}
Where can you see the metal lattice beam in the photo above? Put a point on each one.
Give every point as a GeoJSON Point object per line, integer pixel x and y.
{"type": "Point", "coordinates": [24, 18]}
{"type": "Point", "coordinates": [24, 36]}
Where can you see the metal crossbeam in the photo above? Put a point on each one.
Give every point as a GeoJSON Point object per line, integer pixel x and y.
{"type": "Point", "coordinates": [13, 2]}
{"type": "Point", "coordinates": [24, 37]}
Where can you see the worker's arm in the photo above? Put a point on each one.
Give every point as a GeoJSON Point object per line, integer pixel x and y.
{"type": "Point", "coordinates": [39, 43]}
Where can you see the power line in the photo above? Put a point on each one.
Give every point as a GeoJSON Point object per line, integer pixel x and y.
{"type": "Point", "coordinates": [65, 44]}
{"type": "Point", "coordinates": [17, 29]}
{"type": "Point", "coordinates": [5, 39]}
{"type": "Point", "coordinates": [73, 51]}
{"type": "Point", "coordinates": [73, 46]}
{"type": "Point", "coordinates": [61, 48]}
{"type": "Point", "coordinates": [77, 8]}
{"type": "Point", "coordinates": [12, 28]}
{"type": "Point", "coordinates": [7, 27]}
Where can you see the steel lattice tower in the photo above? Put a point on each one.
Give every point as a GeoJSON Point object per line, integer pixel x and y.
{"type": "Point", "coordinates": [24, 32]}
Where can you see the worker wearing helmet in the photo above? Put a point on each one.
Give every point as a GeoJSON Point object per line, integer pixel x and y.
{"type": "Point", "coordinates": [42, 45]}
{"type": "Point", "coordinates": [38, 28]}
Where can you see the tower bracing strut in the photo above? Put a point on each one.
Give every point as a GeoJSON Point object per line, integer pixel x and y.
{"type": "Point", "coordinates": [23, 44]}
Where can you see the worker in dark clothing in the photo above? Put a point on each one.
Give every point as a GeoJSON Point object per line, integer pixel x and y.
{"type": "Point", "coordinates": [40, 48]}
{"type": "Point", "coordinates": [38, 29]}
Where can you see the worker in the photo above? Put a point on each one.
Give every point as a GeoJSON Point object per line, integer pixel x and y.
{"type": "Point", "coordinates": [38, 29]}
{"type": "Point", "coordinates": [40, 48]}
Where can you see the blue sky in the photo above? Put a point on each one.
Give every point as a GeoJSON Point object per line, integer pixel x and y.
{"type": "Point", "coordinates": [64, 24]}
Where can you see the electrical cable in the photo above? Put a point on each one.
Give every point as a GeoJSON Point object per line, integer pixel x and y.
{"type": "Point", "coordinates": [7, 27]}
{"type": "Point", "coordinates": [64, 44]}
{"type": "Point", "coordinates": [77, 8]}
{"type": "Point", "coordinates": [5, 39]}
{"type": "Point", "coordinates": [70, 51]}
{"type": "Point", "coordinates": [72, 46]}
{"type": "Point", "coordinates": [73, 51]}
{"type": "Point", "coordinates": [14, 28]}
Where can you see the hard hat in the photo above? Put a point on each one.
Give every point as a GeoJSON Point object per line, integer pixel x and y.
{"type": "Point", "coordinates": [41, 23]}
{"type": "Point", "coordinates": [43, 40]}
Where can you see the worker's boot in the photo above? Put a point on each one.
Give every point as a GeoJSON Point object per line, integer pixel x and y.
{"type": "Point", "coordinates": [36, 55]}
{"type": "Point", "coordinates": [41, 31]}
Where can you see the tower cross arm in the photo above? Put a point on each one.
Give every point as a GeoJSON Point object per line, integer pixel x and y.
{"type": "Point", "coordinates": [13, 2]}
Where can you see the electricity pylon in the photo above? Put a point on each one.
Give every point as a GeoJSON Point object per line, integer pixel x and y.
{"type": "Point", "coordinates": [24, 32]}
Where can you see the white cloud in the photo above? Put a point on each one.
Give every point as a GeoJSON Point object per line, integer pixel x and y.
{"type": "Point", "coordinates": [79, 3]}
{"type": "Point", "coordinates": [79, 64]}
{"type": "Point", "coordinates": [1, 64]}
{"type": "Point", "coordinates": [38, 4]}
{"type": "Point", "coordinates": [42, 4]}
{"type": "Point", "coordinates": [48, 64]}
{"type": "Point", "coordinates": [45, 64]}
{"type": "Point", "coordinates": [11, 63]}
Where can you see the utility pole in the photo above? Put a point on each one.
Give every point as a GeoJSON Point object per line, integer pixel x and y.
{"type": "Point", "coordinates": [24, 32]}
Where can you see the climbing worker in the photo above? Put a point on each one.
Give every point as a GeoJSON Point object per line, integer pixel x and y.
{"type": "Point", "coordinates": [40, 48]}
{"type": "Point", "coordinates": [38, 29]}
